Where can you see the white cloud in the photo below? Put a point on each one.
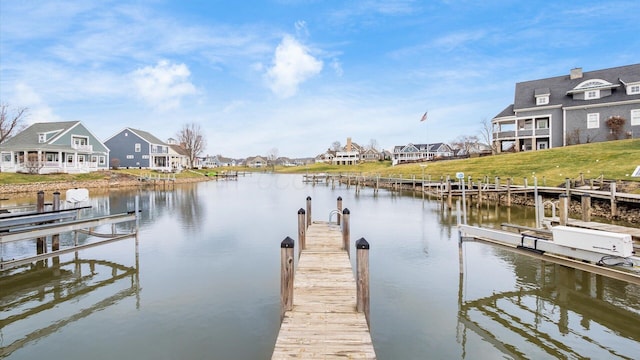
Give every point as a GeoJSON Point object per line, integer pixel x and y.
{"type": "Point", "coordinates": [164, 85]}
{"type": "Point", "coordinates": [337, 67]}
{"type": "Point", "coordinates": [292, 65]}
{"type": "Point", "coordinates": [25, 96]}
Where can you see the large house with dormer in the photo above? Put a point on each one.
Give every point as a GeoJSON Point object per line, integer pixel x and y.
{"type": "Point", "coordinates": [411, 153]}
{"type": "Point", "coordinates": [133, 148]}
{"type": "Point", "coordinates": [571, 109]}
{"type": "Point", "coordinates": [54, 147]}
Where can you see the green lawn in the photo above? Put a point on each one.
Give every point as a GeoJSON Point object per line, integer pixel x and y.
{"type": "Point", "coordinates": [612, 159]}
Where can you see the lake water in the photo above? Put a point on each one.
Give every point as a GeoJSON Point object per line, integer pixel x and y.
{"type": "Point", "coordinates": [204, 283]}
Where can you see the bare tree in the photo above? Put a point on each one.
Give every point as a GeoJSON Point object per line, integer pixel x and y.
{"type": "Point", "coordinates": [486, 133]}
{"type": "Point", "coordinates": [191, 138]}
{"type": "Point", "coordinates": [465, 143]}
{"type": "Point", "coordinates": [11, 121]}
{"type": "Point", "coordinates": [373, 145]}
{"type": "Point", "coordinates": [272, 156]}
{"type": "Point", "coordinates": [336, 146]}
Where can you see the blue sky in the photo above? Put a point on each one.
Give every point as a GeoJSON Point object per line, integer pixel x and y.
{"type": "Point", "coordinates": [297, 75]}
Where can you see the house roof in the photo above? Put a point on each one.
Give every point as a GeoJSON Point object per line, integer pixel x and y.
{"type": "Point", "coordinates": [29, 137]}
{"type": "Point", "coordinates": [147, 136]}
{"type": "Point", "coordinates": [559, 86]}
{"type": "Point", "coordinates": [179, 150]}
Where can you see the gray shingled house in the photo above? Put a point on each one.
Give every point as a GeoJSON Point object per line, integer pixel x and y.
{"type": "Point", "coordinates": [572, 109]}
{"type": "Point", "coordinates": [132, 148]}
{"type": "Point", "coordinates": [54, 147]}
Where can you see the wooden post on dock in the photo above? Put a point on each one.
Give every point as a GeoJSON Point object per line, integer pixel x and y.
{"type": "Point", "coordinates": [567, 186]}
{"type": "Point", "coordinates": [509, 192]}
{"type": "Point", "coordinates": [286, 275]}
{"type": "Point", "coordinates": [339, 201]}
{"type": "Point", "coordinates": [302, 230]}
{"type": "Point", "coordinates": [614, 205]}
{"type": "Point", "coordinates": [586, 207]}
{"type": "Point", "coordinates": [362, 277]}
{"type": "Point", "coordinates": [55, 238]}
{"type": "Point", "coordinates": [346, 234]}
{"type": "Point", "coordinates": [41, 242]}
{"type": "Point", "coordinates": [563, 209]}
{"type": "Point", "coordinates": [449, 190]}
{"type": "Point", "coordinates": [308, 211]}
{"type": "Point", "coordinates": [526, 183]}
{"type": "Point", "coordinates": [479, 192]}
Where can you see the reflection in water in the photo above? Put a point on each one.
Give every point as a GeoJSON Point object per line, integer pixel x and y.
{"type": "Point", "coordinates": [38, 299]}
{"type": "Point", "coordinates": [212, 268]}
{"type": "Point", "coordinates": [555, 311]}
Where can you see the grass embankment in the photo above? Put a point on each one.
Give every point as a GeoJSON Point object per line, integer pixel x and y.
{"type": "Point", "coordinates": [615, 160]}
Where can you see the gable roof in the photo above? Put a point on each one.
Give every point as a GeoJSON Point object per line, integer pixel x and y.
{"type": "Point", "coordinates": [147, 136]}
{"type": "Point", "coordinates": [558, 88]}
{"type": "Point", "coordinates": [29, 136]}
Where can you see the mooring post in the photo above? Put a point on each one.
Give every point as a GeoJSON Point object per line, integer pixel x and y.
{"type": "Point", "coordinates": [567, 186]}
{"type": "Point", "coordinates": [449, 190]}
{"type": "Point", "coordinates": [509, 192]}
{"type": "Point", "coordinates": [308, 211]}
{"type": "Point", "coordinates": [339, 200]}
{"type": "Point", "coordinates": [41, 242]}
{"type": "Point", "coordinates": [55, 238]}
{"type": "Point", "coordinates": [286, 276]}
{"type": "Point", "coordinates": [614, 206]}
{"type": "Point", "coordinates": [345, 231]}
{"type": "Point", "coordinates": [362, 277]}
{"type": "Point", "coordinates": [302, 231]}
{"type": "Point", "coordinates": [586, 207]}
{"type": "Point", "coordinates": [563, 209]}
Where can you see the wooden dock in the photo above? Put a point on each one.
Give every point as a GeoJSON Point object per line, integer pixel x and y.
{"type": "Point", "coordinates": [324, 322]}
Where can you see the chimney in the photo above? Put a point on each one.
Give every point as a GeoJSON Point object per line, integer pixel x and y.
{"type": "Point", "coordinates": [576, 73]}
{"type": "Point", "coordinates": [348, 144]}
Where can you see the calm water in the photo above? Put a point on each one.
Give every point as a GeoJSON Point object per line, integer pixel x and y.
{"type": "Point", "coordinates": [204, 283]}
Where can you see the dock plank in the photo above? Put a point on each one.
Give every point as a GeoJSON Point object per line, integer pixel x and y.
{"type": "Point", "coordinates": [324, 323]}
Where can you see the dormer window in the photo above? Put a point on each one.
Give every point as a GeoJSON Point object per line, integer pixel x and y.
{"type": "Point", "coordinates": [633, 89]}
{"type": "Point", "coordinates": [42, 138]}
{"type": "Point", "coordinates": [592, 89]}
{"type": "Point", "coordinates": [542, 100]}
{"type": "Point", "coordinates": [592, 94]}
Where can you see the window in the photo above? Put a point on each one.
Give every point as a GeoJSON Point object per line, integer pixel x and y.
{"type": "Point", "coordinates": [633, 89]}
{"type": "Point", "coordinates": [70, 158]}
{"type": "Point", "coordinates": [593, 121]}
{"type": "Point", "coordinates": [42, 138]}
{"type": "Point", "coordinates": [542, 100]}
{"type": "Point", "coordinates": [52, 157]}
{"type": "Point", "coordinates": [79, 141]}
{"type": "Point", "coordinates": [6, 157]}
{"type": "Point", "coordinates": [592, 94]}
{"type": "Point", "coordinates": [146, 157]}
{"type": "Point", "coordinates": [102, 160]}
{"type": "Point", "coordinates": [635, 117]}
{"type": "Point", "coordinates": [543, 145]}
{"type": "Point", "coordinates": [129, 156]}
{"type": "Point", "coordinates": [138, 147]}
{"type": "Point", "coordinates": [542, 124]}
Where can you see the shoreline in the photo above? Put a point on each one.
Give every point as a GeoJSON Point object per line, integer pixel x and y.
{"type": "Point", "coordinates": [34, 187]}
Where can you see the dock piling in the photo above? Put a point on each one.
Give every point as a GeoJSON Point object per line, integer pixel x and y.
{"type": "Point", "coordinates": [301, 230]}
{"type": "Point", "coordinates": [586, 207]}
{"type": "Point", "coordinates": [286, 275]}
{"type": "Point", "coordinates": [55, 238]}
{"type": "Point", "coordinates": [563, 209]}
{"type": "Point", "coordinates": [308, 211]}
{"type": "Point", "coordinates": [362, 279]}
{"type": "Point", "coordinates": [346, 231]}
{"type": "Point", "coordinates": [339, 206]}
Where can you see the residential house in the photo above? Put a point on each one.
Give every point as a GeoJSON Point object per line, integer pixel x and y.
{"type": "Point", "coordinates": [133, 148]}
{"type": "Point", "coordinates": [349, 154]}
{"type": "Point", "coordinates": [256, 162]}
{"type": "Point", "coordinates": [54, 147]}
{"type": "Point", "coordinates": [178, 155]}
{"type": "Point", "coordinates": [326, 157]}
{"type": "Point", "coordinates": [570, 109]}
{"type": "Point", "coordinates": [421, 152]}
